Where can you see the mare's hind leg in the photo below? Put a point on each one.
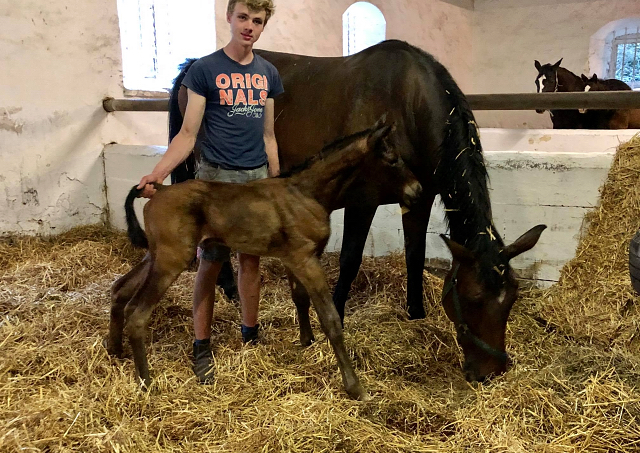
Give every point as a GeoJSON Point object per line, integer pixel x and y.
{"type": "Point", "coordinates": [163, 271]}
{"type": "Point", "coordinates": [414, 223]}
{"type": "Point", "coordinates": [310, 274]}
{"type": "Point", "coordinates": [121, 293]}
{"type": "Point", "coordinates": [227, 281]}
{"type": "Point", "coordinates": [357, 221]}
{"type": "Point", "coordinates": [300, 297]}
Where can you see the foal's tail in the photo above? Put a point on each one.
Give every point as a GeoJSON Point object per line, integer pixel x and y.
{"type": "Point", "coordinates": [137, 236]}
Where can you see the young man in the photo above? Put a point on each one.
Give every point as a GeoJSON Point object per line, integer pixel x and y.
{"type": "Point", "coordinates": [232, 90]}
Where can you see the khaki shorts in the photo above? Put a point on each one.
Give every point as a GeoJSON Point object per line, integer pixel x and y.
{"type": "Point", "coordinates": [208, 172]}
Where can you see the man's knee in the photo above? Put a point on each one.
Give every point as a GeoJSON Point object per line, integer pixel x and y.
{"type": "Point", "coordinates": [248, 263]}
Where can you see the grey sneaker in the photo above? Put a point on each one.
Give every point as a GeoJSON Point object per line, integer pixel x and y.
{"type": "Point", "coordinates": [203, 363]}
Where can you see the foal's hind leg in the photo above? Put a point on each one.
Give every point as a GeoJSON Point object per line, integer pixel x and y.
{"type": "Point", "coordinates": [310, 274]}
{"type": "Point", "coordinates": [162, 273]}
{"type": "Point", "coordinates": [357, 222]}
{"type": "Point", "coordinates": [300, 297]}
{"type": "Point", "coordinates": [121, 293]}
{"type": "Point", "coordinates": [414, 224]}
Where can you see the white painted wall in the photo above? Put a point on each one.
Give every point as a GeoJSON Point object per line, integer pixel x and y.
{"type": "Point", "coordinates": [508, 35]}
{"type": "Point", "coordinates": [536, 176]}
{"type": "Point", "coordinates": [59, 60]}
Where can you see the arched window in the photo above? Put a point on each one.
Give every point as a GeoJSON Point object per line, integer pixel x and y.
{"type": "Point", "coordinates": [625, 57]}
{"type": "Point", "coordinates": [614, 51]}
{"type": "Point", "coordinates": [157, 35]}
{"type": "Point", "coordinates": [363, 25]}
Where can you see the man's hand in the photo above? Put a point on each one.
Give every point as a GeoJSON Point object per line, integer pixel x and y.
{"type": "Point", "coordinates": [274, 170]}
{"type": "Point", "coordinates": [147, 182]}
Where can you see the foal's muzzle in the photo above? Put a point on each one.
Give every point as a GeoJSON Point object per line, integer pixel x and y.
{"type": "Point", "coordinates": [411, 192]}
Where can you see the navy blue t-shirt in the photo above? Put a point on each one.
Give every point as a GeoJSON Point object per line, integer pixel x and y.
{"type": "Point", "coordinates": [234, 115]}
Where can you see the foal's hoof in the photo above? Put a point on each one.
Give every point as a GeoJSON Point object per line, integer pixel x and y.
{"type": "Point", "coordinates": [359, 393]}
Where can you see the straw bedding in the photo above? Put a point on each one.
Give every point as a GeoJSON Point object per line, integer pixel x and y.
{"type": "Point", "coordinates": [574, 386]}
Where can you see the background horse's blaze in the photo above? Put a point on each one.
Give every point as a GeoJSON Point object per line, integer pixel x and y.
{"type": "Point", "coordinates": [328, 97]}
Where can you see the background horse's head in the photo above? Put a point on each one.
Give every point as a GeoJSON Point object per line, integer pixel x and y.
{"type": "Point", "coordinates": [547, 78]}
{"type": "Point", "coordinates": [480, 306]}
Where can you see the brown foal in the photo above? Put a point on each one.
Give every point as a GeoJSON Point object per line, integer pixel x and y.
{"type": "Point", "coordinates": [286, 217]}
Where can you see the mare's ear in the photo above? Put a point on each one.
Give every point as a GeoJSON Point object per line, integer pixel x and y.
{"type": "Point", "coordinates": [537, 65]}
{"type": "Point", "coordinates": [524, 242]}
{"type": "Point", "coordinates": [557, 65]}
{"type": "Point", "coordinates": [595, 77]}
{"type": "Point", "coordinates": [459, 252]}
{"type": "Point", "coordinates": [584, 78]}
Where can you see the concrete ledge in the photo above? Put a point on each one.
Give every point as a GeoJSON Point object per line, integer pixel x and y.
{"type": "Point", "coordinates": [536, 176]}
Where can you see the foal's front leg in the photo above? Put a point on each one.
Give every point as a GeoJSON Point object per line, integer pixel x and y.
{"type": "Point", "coordinates": [309, 273]}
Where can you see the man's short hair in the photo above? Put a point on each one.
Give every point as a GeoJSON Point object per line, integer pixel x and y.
{"type": "Point", "coordinates": [254, 5]}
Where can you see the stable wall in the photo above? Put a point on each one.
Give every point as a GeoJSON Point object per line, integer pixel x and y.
{"type": "Point", "coordinates": [536, 176]}
{"type": "Point", "coordinates": [508, 35]}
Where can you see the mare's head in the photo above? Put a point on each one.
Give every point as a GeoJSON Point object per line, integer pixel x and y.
{"type": "Point", "coordinates": [478, 300]}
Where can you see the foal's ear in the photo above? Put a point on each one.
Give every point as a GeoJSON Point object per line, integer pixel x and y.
{"type": "Point", "coordinates": [557, 65]}
{"type": "Point", "coordinates": [459, 252]}
{"type": "Point", "coordinates": [524, 242]}
{"type": "Point", "coordinates": [537, 64]}
{"type": "Point", "coordinates": [380, 133]}
{"type": "Point", "coordinates": [594, 77]}
{"type": "Point", "coordinates": [381, 121]}
{"type": "Point", "coordinates": [584, 78]}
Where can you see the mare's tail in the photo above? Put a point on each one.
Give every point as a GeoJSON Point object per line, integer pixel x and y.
{"type": "Point", "coordinates": [186, 170]}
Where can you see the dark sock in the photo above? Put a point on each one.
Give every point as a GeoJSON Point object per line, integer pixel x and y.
{"type": "Point", "coordinates": [201, 342]}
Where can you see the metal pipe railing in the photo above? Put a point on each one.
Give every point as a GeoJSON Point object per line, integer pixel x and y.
{"type": "Point", "coordinates": [506, 101]}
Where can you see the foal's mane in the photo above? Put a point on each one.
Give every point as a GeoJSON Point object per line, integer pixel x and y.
{"type": "Point", "coordinates": [337, 144]}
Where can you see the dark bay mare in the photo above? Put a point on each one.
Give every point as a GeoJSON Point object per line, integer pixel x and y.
{"type": "Point", "coordinates": [437, 137]}
{"type": "Point", "coordinates": [554, 78]}
{"type": "Point", "coordinates": [286, 218]}
{"type": "Point", "coordinates": [612, 119]}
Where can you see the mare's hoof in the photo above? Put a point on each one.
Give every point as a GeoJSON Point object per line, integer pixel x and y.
{"type": "Point", "coordinates": [307, 341]}
{"type": "Point", "coordinates": [418, 314]}
{"type": "Point", "coordinates": [116, 352]}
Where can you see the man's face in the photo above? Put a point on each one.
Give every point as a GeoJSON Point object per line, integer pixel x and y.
{"type": "Point", "coordinates": [246, 25]}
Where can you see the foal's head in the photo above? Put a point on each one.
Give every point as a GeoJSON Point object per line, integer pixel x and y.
{"type": "Point", "coordinates": [478, 301]}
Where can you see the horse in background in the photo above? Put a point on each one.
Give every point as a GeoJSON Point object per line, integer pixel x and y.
{"type": "Point", "coordinates": [611, 119]}
{"type": "Point", "coordinates": [437, 136]}
{"type": "Point", "coordinates": [554, 78]}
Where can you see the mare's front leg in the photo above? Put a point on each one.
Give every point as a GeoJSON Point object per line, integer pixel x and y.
{"type": "Point", "coordinates": [414, 223]}
{"type": "Point", "coordinates": [357, 222]}
{"type": "Point", "coordinates": [122, 292]}
{"type": "Point", "coordinates": [310, 274]}
{"type": "Point", "coordinates": [227, 281]}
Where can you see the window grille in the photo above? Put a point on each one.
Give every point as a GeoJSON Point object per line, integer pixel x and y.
{"type": "Point", "coordinates": [363, 25]}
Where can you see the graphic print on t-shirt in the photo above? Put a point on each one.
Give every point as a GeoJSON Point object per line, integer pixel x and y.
{"type": "Point", "coordinates": [245, 93]}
